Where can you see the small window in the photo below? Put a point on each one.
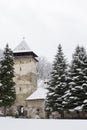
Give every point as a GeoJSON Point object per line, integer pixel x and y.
{"type": "Point", "coordinates": [20, 68]}
{"type": "Point", "coordinates": [20, 89]}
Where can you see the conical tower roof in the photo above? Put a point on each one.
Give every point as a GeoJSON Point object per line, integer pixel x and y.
{"type": "Point", "coordinates": [22, 47]}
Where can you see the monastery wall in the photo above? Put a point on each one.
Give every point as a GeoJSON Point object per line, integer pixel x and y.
{"type": "Point", "coordinates": [25, 78]}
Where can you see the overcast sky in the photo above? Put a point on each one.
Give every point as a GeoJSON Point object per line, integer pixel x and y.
{"type": "Point", "coordinates": [45, 24]}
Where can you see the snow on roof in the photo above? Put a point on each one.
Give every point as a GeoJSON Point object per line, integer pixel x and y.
{"type": "Point", "coordinates": [22, 47]}
{"type": "Point", "coordinates": [40, 93]}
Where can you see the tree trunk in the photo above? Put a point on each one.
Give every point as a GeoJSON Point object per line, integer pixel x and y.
{"type": "Point", "coordinates": [5, 110]}
{"type": "Point", "coordinates": [62, 114]}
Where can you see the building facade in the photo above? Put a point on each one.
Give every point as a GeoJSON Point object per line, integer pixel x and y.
{"type": "Point", "coordinates": [25, 73]}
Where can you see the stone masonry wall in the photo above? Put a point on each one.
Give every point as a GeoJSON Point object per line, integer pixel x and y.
{"type": "Point", "coordinates": [33, 106]}
{"type": "Point", "coordinates": [25, 78]}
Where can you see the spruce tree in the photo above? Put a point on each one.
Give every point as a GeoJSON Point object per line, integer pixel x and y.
{"type": "Point", "coordinates": [76, 96]}
{"type": "Point", "coordinates": [7, 89]}
{"type": "Point", "coordinates": [57, 84]}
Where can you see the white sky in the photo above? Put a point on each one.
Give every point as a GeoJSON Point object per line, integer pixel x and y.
{"type": "Point", "coordinates": [45, 24]}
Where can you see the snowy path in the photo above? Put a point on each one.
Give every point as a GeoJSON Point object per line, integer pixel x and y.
{"type": "Point", "coordinates": [39, 124]}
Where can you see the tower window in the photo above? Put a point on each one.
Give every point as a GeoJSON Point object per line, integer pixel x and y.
{"type": "Point", "coordinates": [20, 68]}
{"type": "Point", "coordinates": [20, 89]}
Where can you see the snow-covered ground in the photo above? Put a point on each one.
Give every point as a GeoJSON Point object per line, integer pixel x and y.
{"type": "Point", "coordinates": [7, 123]}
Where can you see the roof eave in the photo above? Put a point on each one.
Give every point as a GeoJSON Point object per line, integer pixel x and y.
{"type": "Point", "coordinates": [15, 53]}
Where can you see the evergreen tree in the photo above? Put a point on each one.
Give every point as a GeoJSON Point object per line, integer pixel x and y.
{"type": "Point", "coordinates": [76, 96]}
{"type": "Point", "coordinates": [7, 90]}
{"type": "Point", "coordinates": [57, 84]}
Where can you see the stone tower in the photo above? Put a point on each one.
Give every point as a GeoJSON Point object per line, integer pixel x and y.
{"type": "Point", "coordinates": [25, 72]}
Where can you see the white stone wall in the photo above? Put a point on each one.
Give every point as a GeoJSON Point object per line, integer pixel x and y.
{"type": "Point", "coordinates": [25, 65]}
{"type": "Point", "coordinates": [33, 105]}
{"type": "Point", "coordinates": [23, 88]}
{"type": "Point", "coordinates": [25, 78]}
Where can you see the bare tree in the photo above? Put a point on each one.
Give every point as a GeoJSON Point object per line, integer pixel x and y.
{"type": "Point", "coordinates": [43, 68]}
